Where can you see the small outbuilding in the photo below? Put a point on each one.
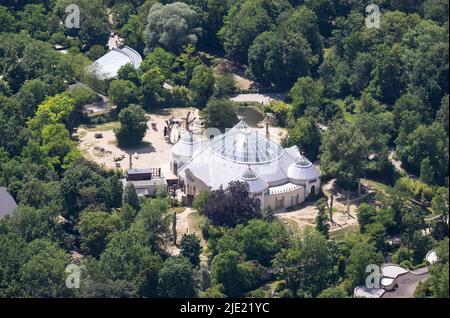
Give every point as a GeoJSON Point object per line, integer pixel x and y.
{"type": "Point", "coordinates": [7, 202]}
{"type": "Point", "coordinates": [107, 66]}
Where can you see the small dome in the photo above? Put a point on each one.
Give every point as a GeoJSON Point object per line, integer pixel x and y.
{"type": "Point", "coordinates": [249, 174]}
{"type": "Point", "coordinates": [255, 183]}
{"type": "Point", "coordinates": [186, 146]}
{"type": "Point", "coordinates": [303, 162]}
{"type": "Point", "coordinates": [302, 169]}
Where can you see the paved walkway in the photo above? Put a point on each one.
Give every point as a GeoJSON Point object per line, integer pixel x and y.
{"type": "Point", "coordinates": [408, 283]}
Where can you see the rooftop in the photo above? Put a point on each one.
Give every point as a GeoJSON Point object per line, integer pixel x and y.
{"type": "Point", "coordinates": [7, 202]}
{"type": "Point", "coordinates": [108, 65]}
{"type": "Point", "coordinates": [242, 144]}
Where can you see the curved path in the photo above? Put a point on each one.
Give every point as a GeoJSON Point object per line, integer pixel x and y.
{"type": "Point", "coordinates": [407, 284]}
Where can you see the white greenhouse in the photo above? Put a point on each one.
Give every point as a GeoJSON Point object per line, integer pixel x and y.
{"type": "Point", "coordinates": [280, 178]}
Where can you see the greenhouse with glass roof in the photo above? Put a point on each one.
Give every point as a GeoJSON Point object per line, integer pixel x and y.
{"type": "Point", "coordinates": [279, 178]}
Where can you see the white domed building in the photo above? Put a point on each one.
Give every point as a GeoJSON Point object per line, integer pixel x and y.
{"type": "Point", "coordinates": [280, 178]}
{"type": "Point", "coordinates": [183, 150]}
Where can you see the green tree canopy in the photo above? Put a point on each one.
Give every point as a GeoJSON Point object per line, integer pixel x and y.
{"type": "Point", "coordinates": [133, 126]}
{"type": "Point", "coordinates": [171, 26]}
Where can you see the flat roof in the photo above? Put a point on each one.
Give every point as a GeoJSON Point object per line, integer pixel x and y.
{"type": "Point", "coordinates": [139, 171]}
{"type": "Point", "coordinates": [284, 188]}
{"type": "Point", "coordinates": [364, 292]}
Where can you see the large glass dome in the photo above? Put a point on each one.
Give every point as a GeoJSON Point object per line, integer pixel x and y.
{"type": "Point", "coordinates": [244, 145]}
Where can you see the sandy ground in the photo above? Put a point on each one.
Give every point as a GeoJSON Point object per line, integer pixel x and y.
{"type": "Point", "coordinates": [306, 215]}
{"type": "Point", "coordinates": [155, 152]}
{"type": "Point", "coordinates": [243, 83]}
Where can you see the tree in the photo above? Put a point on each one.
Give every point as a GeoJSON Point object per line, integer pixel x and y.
{"type": "Point", "coordinates": [306, 96]}
{"type": "Point", "coordinates": [436, 10]}
{"type": "Point", "coordinates": [176, 279]}
{"type": "Point", "coordinates": [43, 273]}
{"type": "Point", "coordinates": [258, 240]}
{"type": "Point", "coordinates": [225, 86]}
{"type": "Point", "coordinates": [220, 114]}
{"type": "Point", "coordinates": [130, 197]}
{"type": "Point", "coordinates": [202, 84]}
{"type": "Point", "coordinates": [95, 52]}
{"type": "Point", "coordinates": [440, 202]}
{"type": "Point", "coordinates": [333, 292]}
{"type": "Point", "coordinates": [322, 219]}
{"type": "Point", "coordinates": [200, 200]}
{"type": "Point", "coordinates": [420, 243]}
{"type": "Point", "coordinates": [362, 255]}
{"type": "Point", "coordinates": [128, 258]}
{"type": "Point", "coordinates": [439, 271]}
{"type": "Point", "coordinates": [388, 80]}
{"type": "Point", "coordinates": [244, 22]}
{"type": "Point", "coordinates": [34, 19]}
{"type": "Point", "coordinates": [235, 275]}
{"type": "Point", "coordinates": [377, 234]}
{"type": "Point", "coordinates": [442, 116]}
{"type": "Point", "coordinates": [439, 280]}
{"type": "Point", "coordinates": [6, 20]}
{"type": "Point", "coordinates": [190, 248]}
{"type": "Point", "coordinates": [280, 58]}
{"type": "Point", "coordinates": [429, 143]}
{"type": "Point", "coordinates": [161, 59]}
{"type": "Point", "coordinates": [366, 215]}
{"type": "Point", "coordinates": [152, 88]}
{"type": "Point", "coordinates": [344, 153]}
{"type": "Point", "coordinates": [307, 266]}
{"type": "Point", "coordinates": [402, 254]}
{"type": "Point", "coordinates": [31, 223]}
{"type": "Point", "coordinates": [232, 206]}
{"type": "Point", "coordinates": [153, 221]}
{"type": "Point", "coordinates": [304, 134]}
{"type": "Point", "coordinates": [123, 93]}
{"type": "Point", "coordinates": [133, 126]}
{"type": "Point", "coordinates": [94, 28]}
{"type": "Point", "coordinates": [171, 26]}
{"type": "Point", "coordinates": [94, 228]}
{"type": "Point", "coordinates": [12, 249]}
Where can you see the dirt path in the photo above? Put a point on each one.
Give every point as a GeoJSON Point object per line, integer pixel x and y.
{"type": "Point", "coordinates": [306, 215]}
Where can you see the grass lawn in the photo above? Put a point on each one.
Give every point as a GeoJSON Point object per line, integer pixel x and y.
{"type": "Point", "coordinates": [103, 127]}
{"type": "Point", "coordinates": [340, 233]}
{"type": "Point", "coordinates": [177, 210]}
{"type": "Point", "coordinates": [347, 116]}
{"type": "Point", "coordinates": [379, 187]}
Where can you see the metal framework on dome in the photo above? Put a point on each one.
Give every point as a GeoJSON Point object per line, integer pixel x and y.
{"type": "Point", "coordinates": [303, 162]}
{"type": "Point", "coordinates": [249, 174]}
{"type": "Point", "coordinates": [244, 145]}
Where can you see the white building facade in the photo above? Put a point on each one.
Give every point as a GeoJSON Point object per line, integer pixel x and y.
{"type": "Point", "coordinates": [279, 178]}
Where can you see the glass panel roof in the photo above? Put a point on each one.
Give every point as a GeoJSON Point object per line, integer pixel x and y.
{"type": "Point", "coordinates": [244, 145]}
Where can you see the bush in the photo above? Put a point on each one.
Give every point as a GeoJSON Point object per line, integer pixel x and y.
{"type": "Point", "coordinates": [402, 254]}
{"type": "Point", "coordinates": [407, 264]}
{"type": "Point", "coordinates": [181, 96]}
{"type": "Point", "coordinates": [285, 293]}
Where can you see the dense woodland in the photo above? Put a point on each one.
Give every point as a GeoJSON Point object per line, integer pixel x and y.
{"type": "Point", "coordinates": [374, 90]}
